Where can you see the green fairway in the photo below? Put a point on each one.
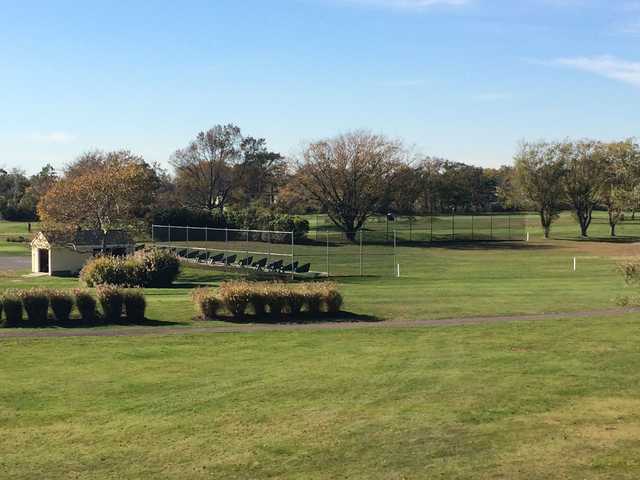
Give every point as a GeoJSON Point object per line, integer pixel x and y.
{"type": "Point", "coordinates": [554, 399]}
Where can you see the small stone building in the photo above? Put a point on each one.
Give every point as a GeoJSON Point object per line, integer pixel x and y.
{"type": "Point", "coordinates": [64, 253]}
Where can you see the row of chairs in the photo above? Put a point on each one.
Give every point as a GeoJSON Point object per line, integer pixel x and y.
{"type": "Point", "coordinates": [210, 258]}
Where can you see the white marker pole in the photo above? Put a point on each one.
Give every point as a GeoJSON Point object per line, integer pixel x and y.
{"type": "Point", "coordinates": [398, 270]}
{"type": "Point", "coordinates": [574, 264]}
{"type": "Point", "coordinates": [527, 236]}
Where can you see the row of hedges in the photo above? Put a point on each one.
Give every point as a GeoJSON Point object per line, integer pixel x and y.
{"type": "Point", "coordinates": [267, 299]}
{"type": "Point", "coordinates": [152, 268]}
{"type": "Point", "coordinates": [39, 307]}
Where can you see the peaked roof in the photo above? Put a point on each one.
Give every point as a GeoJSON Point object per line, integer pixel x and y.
{"type": "Point", "coordinates": [81, 238]}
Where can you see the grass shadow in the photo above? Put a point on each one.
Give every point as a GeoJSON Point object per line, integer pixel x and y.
{"type": "Point", "coordinates": [304, 318]}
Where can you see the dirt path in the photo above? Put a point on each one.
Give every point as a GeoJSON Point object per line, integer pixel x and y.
{"type": "Point", "coordinates": [247, 328]}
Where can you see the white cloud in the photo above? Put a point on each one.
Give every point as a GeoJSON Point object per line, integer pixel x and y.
{"type": "Point", "coordinates": [53, 137]}
{"type": "Point", "coordinates": [606, 66]}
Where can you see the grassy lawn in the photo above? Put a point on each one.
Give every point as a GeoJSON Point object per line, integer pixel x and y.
{"type": "Point", "coordinates": [437, 281]}
{"type": "Point", "coordinates": [539, 400]}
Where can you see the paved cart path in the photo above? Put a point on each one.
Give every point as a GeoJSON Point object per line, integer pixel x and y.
{"type": "Point", "coordinates": [246, 328]}
{"type": "Point", "coordinates": [15, 263]}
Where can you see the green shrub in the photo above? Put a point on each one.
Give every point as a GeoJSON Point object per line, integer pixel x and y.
{"type": "Point", "coordinates": [258, 298]}
{"type": "Point", "coordinates": [295, 300]}
{"type": "Point", "coordinates": [333, 300]}
{"type": "Point", "coordinates": [61, 304]}
{"type": "Point", "coordinates": [12, 304]}
{"type": "Point", "coordinates": [235, 297]}
{"type": "Point", "coordinates": [276, 299]}
{"type": "Point", "coordinates": [147, 268]}
{"type": "Point", "coordinates": [160, 267]}
{"type": "Point", "coordinates": [313, 295]}
{"type": "Point", "coordinates": [36, 304]}
{"type": "Point", "coordinates": [207, 303]}
{"type": "Point", "coordinates": [86, 305]}
{"type": "Point", "coordinates": [111, 300]}
{"type": "Point", "coordinates": [135, 304]}
{"type": "Point", "coordinates": [105, 270]}
{"type": "Point", "coordinates": [0, 311]}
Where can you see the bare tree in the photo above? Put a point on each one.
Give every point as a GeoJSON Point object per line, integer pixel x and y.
{"type": "Point", "coordinates": [349, 175]}
{"type": "Point", "coordinates": [205, 169]}
{"type": "Point", "coordinates": [585, 171]}
{"type": "Point", "coordinates": [621, 161]}
{"type": "Point", "coordinates": [538, 177]}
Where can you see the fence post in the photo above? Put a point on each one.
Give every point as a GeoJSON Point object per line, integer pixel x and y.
{"type": "Point", "coordinates": [269, 248]}
{"type": "Point", "coordinates": [226, 240]}
{"type": "Point", "coordinates": [431, 226]}
{"type": "Point", "coordinates": [453, 226]}
{"type": "Point", "coordinates": [188, 242]}
{"type": "Point", "coordinates": [293, 268]}
{"type": "Point", "coordinates": [509, 225]}
{"type": "Point", "coordinates": [395, 245]}
{"type": "Point", "coordinates": [361, 269]}
{"type": "Point", "coordinates": [327, 233]}
{"type": "Point", "coordinates": [491, 227]}
{"type": "Point", "coordinates": [169, 237]}
{"type": "Point", "coordinates": [472, 227]}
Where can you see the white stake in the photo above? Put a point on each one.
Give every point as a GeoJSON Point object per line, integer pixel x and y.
{"type": "Point", "coordinates": [527, 236]}
{"type": "Point", "coordinates": [574, 264]}
{"type": "Point", "coordinates": [398, 270]}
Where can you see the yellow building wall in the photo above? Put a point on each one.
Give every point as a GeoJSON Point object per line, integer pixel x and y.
{"type": "Point", "coordinates": [62, 259]}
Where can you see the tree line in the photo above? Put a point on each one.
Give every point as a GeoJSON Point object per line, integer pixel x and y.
{"type": "Point", "coordinates": [349, 177]}
{"type": "Point", "coordinates": [579, 175]}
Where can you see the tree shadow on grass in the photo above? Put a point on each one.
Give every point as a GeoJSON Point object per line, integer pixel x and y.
{"type": "Point", "coordinates": [489, 245]}
{"type": "Point", "coordinates": [98, 322]}
{"type": "Point", "coordinates": [304, 318]}
{"type": "Point", "coordinates": [622, 240]}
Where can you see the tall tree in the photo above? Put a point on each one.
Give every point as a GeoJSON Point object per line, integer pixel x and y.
{"type": "Point", "coordinates": [259, 174]}
{"type": "Point", "coordinates": [349, 175]}
{"type": "Point", "coordinates": [585, 170]}
{"type": "Point", "coordinates": [110, 193]}
{"type": "Point", "coordinates": [621, 162]}
{"type": "Point", "coordinates": [539, 174]}
{"type": "Point", "coordinates": [206, 168]}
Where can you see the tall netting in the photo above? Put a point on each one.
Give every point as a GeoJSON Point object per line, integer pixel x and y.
{"type": "Point", "coordinates": [439, 228]}
{"type": "Point", "coordinates": [226, 246]}
{"type": "Point", "coordinates": [338, 254]}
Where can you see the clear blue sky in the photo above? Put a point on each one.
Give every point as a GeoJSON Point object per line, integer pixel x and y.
{"type": "Point", "coordinates": [462, 79]}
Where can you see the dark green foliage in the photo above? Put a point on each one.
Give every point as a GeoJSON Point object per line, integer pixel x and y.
{"type": "Point", "coordinates": [36, 304]}
{"type": "Point", "coordinates": [189, 217]}
{"type": "Point", "coordinates": [12, 305]}
{"type": "Point", "coordinates": [148, 268]}
{"type": "Point", "coordinates": [111, 300]}
{"type": "Point", "coordinates": [134, 304]}
{"type": "Point", "coordinates": [160, 268]}
{"type": "Point", "coordinates": [208, 304]}
{"type": "Point", "coordinates": [86, 305]}
{"type": "Point", "coordinates": [263, 219]}
{"type": "Point", "coordinates": [61, 304]}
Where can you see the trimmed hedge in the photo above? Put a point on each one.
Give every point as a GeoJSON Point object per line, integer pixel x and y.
{"type": "Point", "coordinates": [111, 301]}
{"type": "Point", "coordinates": [12, 304]}
{"type": "Point", "coordinates": [54, 307]}
{"type": "Point", "coordinates": [86, 305]}
{"type": "Point", "coordinates": [61, 305]}
{"type": "Point", "coordinates": [152, 268]}
{"type": "Point", "coordinates": [267, 299]}
{"type": "Point", "coordinates": [36, 303]}
{"type": "Point", "coordinates": [135, 304]}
